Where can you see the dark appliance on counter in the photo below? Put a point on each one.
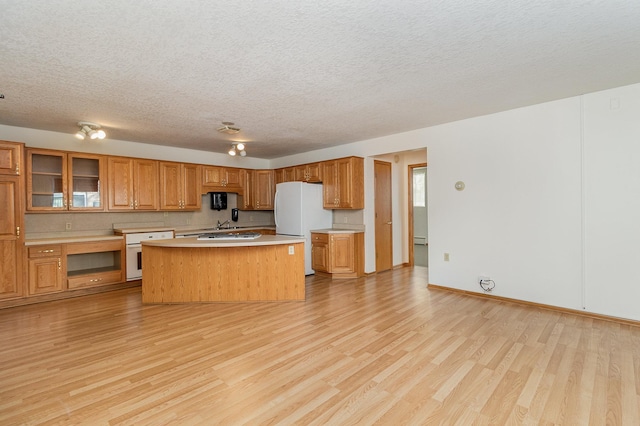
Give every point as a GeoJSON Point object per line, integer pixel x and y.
{"type": "Point", "coordinates": [234, 215]}
{"type": "Point", "coordinates": [218, 201]}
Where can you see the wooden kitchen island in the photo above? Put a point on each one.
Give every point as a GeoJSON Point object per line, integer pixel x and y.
{"type": "Point", "coordinates": [186, 270]}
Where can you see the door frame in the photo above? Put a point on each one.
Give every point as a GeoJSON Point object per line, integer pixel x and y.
{"type": "Point", "coordinates": [410, 168]}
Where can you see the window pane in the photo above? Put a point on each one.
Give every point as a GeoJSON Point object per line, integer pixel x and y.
{"type": "Point", "coordinates": [419, 190]}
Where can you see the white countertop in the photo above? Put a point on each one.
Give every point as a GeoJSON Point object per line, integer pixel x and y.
{"type": "Point", "coordinates": [193, 242]}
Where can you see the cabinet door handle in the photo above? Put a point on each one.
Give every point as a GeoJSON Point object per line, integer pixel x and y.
{"type": "Point", "coordinates": [17, 168]}
{"type": "Point", "coordinates": [389, 223]}
{"type": "Point", "coordinates": [59, 263]}
{"type": "Point", "coordinates": [17, 231]}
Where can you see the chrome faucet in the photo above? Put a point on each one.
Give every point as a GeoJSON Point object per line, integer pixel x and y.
{"type": "Point", "coordinates": [226, 222]}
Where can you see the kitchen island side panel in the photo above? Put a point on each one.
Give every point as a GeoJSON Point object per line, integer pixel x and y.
{"type": "Point", "coordinates": [223, 274]}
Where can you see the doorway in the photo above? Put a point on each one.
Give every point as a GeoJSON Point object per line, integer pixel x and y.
{"type": "Point", "coordinates": [383, 219]}
{"type": "Point", "coordinates": [418, 225]}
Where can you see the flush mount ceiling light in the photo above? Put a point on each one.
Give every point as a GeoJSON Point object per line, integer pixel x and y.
{"type": "Point", "coordinates": [227, 127]}
{"type": "Point", "coordinates": [92, 130]}
{"type": "Point", "coordinates": [237, 149]}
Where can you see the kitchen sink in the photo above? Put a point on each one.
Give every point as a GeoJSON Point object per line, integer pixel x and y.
{"type": "Point", "coordinates": [230, 236]}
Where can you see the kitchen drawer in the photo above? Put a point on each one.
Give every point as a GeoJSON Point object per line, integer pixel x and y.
{"type": "Point", "coordinates": [319, 238]}
{"type": "Point", "coordinates": [92, 280]}
{"type": "Point", "coordinates": [45, 251]}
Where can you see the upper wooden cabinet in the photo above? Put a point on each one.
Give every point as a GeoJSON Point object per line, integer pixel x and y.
{"type": "Point", "coordinates": [258, 190]}
{"type": "Point", "coordinates": [180, 186]}
{"type": "Point", "coordinates": [223, 179]}
{"type": "Point", "coordinates": [264, 190]}
{"type": "Point", "coordinates": [10, 158]}
{"type": "Point", "coordinates": [61, 181]}
{"type": "Point", "coordinates": [308, 172]}
{"type": "Point", "coordinates": [343, 183]}
{"type": "Point", "coordinates": [303, 173]}
{"type": "Point", "coordinates": [133, 184]}
{"type": "Point", "coordinates": [287, 174]}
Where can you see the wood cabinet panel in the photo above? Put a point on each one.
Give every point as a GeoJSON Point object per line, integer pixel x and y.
{"type": "Point", "coordinates": [11, 236]}
{"type": "Point", "coordinates": [10, 158]}
{"type": "Point", "coordinates": [340, 255]}
{"type": "Point", "coordinates": [308, 172]}
{"type": "Point", "coordinates": [192, 186]}
{"type": "Point", "coordinates": [320, 252]}
{"type": "Point", "coordinates": [263, 189]}
{"type": "Point", "coordinates": [258, 190]}
{"type": "Point", "coordinates": [342, 259]}
{"type": "Point", "coordinates": [145, 184]}
{"type": "Point", "coordinates": [286, 174]}
{"type": "Point", "coordinates": [170, 186]}
{"type": "Point", "coordinates": [180, 186]}
{"type": "Point", "coordinates": [133, 184]}
{"type": "Point", "coordinates": [120, 175]}
{"type": "Point", "coordinates": [223, 179]}
{"type": "Point", "coordinates": [97, 279]}
{"type": "Point", "coordinates": [45, 275]}
{"type": "Point", "coordinates": [343, 183]}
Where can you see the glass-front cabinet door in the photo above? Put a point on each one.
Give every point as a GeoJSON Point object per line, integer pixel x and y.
{"type": "Point", "coordinates": [45, 180]}
{"type": "Point", "coordinates": [85, 173]}
{"type": "Point", "coordinates": [64, 181]}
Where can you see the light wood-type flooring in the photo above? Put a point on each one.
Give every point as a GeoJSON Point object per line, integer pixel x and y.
{"type": "Point", "coordinates": [377, 350]}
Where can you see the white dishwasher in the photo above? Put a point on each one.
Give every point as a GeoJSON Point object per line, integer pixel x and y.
{"type": "Point", "coordinates": [134, 250]}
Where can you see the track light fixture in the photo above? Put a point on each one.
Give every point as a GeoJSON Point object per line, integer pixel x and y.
{"type": "Point", "coordinates": [237, 149]}
{"type": "Point", "coordinates": [92, 130]}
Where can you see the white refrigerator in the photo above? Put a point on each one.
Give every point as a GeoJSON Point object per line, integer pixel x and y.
{"type": "Point", "coordinates": [298, 210]}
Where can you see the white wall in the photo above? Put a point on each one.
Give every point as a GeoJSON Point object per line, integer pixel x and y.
{"type": "Point", "coordinates": [519, 219]}
{"type": "Point", "coordinates": [612, 201]}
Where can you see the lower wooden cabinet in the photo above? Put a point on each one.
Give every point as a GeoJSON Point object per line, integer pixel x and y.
{"type": "Point", "coordinates": [338, 254]}
{"type": "Point", "coordinates": [58, 268]}
{"type": "Point", "coordinates": [46, 269]}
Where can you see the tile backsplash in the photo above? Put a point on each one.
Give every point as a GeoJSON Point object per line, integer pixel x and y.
{"type": "Point", "coordinates": [43, 225]}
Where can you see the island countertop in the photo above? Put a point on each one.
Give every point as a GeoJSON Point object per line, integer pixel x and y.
{"type": "Point", "coordinates": [193, 242]}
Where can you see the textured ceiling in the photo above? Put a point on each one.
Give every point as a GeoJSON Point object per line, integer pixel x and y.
{"type": "Point", "coordinates": [297, 76]}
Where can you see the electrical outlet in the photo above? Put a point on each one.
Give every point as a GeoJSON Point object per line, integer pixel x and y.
{"type": "Point", "coordinates": [446, 257]}
{"type": "Point", "coordinates": [346, 220]}
{"type": "Point", "coordinates": [67, 226]}
{"type": "Point", "coordinates": [166, 214]}
{"type": "Point", "coordinates": [250, 218]}
{"type": "Point", "coordinates": [291, 250]}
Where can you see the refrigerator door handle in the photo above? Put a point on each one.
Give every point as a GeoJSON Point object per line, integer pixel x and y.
{"type": "Point", "coordinates": [275, 208]}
